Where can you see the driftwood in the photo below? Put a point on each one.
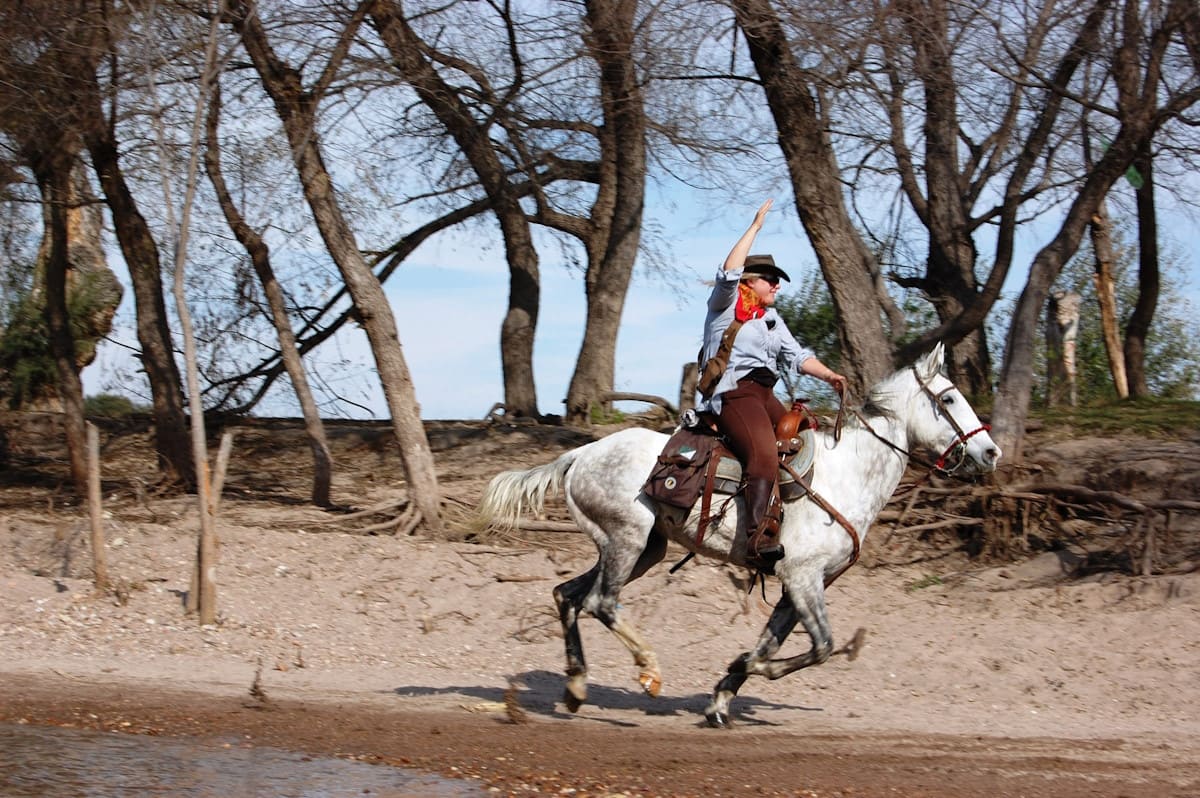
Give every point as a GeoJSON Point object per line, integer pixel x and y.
{"type": "Point", "coordinates": [533, 525]}
{"type": "Point", "coordinates": [984, 518]}
{"type": "Point", "coordinates": [619, 396]}
{"type": "Point", "coordinates": [1112, 497]}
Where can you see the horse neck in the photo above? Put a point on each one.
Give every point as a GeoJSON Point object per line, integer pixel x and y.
{"type": "Point", "coordinates": [859, 472]}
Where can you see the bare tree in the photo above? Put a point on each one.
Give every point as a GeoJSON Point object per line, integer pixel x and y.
{"type": "Point", "coordinates": [203, 597]}
{"type": "Point", "coordinates": [297, 108]}
{"type": "Point", "coordinates": [926, 41]}
{"type": "Point", "coordinates": [1144, 42]}
{"type": "Point", "coordinates": [612, 231]}
{"type": "Point", "coordinates": [610, 228]}
{"type": "Point", "coordinates": [137, 244]}
{"type": "Point", "coordinates": [260, 257]}
{"type": "Point", "coordinates": [967, 170]}
{"type": "Point", "coordinates": [850, 268]}
{"type": "Point", "coordinates": [39, 99]}
{"type": "Point", "coordinates": [414, 60]}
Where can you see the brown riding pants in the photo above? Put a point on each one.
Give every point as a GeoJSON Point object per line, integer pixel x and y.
{"type": "Point", "coordinates": [748, 417]}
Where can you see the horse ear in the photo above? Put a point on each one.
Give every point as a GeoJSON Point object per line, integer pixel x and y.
{"type": "Point", "coordinates": [930, 365]}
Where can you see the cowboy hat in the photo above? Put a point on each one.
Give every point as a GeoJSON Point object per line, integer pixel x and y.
{"type": "Point", "coordinates": [763, 266]}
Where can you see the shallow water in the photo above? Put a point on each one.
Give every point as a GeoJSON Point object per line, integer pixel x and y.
{"type": "Point", "coordinates": [47, 761]}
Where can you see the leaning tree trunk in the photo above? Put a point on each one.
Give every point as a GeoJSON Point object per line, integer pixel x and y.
{"type": "Point", "coordinates": [1106, 297]}
{"type": "Point", "coordinates": [171, 438]}
{"type": "Point", "coordinates": [297, 110]}
{"type": "Point", "coordinates": [1016, 377]}
{"type": "Point", "coordinates": [260, 258]}
{"type": "Point", "coordinates": [846, 262]}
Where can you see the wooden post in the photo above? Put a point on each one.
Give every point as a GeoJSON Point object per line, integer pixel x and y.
{"type": "Point", "coordinates": [687, 387]}
{"type": "Point", "coordinates": [95, 511]}
{"type": "Point", "coordinates": [222, 466]}
{"type": "Point", "coordinates": [1149, 546]}
{"type": "Point", "coordinates": [1062, 327]}
{"type": "Point", "coordinates": [203, 589]}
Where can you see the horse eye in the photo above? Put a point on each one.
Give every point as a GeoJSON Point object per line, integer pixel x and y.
{"type": "Point", "coordinates": [948, 400]}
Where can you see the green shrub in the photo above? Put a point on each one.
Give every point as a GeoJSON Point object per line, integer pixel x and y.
{"type": "Point", "coordinates": [107, 405]}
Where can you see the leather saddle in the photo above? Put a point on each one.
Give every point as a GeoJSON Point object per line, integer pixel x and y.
{"type": "Point", "coordinates": [717, 473]}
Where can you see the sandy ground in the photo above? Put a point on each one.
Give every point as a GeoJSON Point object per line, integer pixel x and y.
{"type": "Point", "coordinates": [971, 680]}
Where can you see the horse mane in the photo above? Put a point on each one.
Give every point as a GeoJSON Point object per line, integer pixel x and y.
{"type": "Point", "coordinates": [875, 405]}
{"type": "Point", "coordinates": [880, 401]}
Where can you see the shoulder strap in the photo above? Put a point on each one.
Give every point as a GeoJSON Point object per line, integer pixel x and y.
{"type": "Point", "coordinates": [721, 356]}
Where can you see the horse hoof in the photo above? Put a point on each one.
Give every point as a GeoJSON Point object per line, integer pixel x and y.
{"type": "Point", "coordinates": [651, 683]}
{"type": "Point", "coordinates": [717, 720]}
{"type": "Point", "coordinates": [574, 698]}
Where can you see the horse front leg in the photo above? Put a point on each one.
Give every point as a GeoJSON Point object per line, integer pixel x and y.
{"type": "Point", "coordinates": [804, 601]}
{"type": "Point", "coordinates": [569, 597]}
{"type": "Point", "coordinates": [779, 626]}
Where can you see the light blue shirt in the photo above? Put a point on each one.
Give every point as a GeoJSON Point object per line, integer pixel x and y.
{"type": "Point", "coordinates": [763, 342]}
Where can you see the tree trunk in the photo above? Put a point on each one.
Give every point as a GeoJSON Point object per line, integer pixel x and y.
{"type": "Point", "coordinates": [297, 110]}
{"type": "Point", "coordinates": [1016, 378]}
{"type": "Point", "coordinates": [846, 262]}
{"type": "Point", "coordinates": [1138, 326]}
{"type": "Point", "coordinates": [96, 511]}
{"type": "Point", "coordinates": [949, 281]}
{"type": "Point", "coordinates": [1062, 326]}
{"type": "Point", "coordinates": [53, 173]}
{"type": "Point", "coordinates": [1029, 153]}
{"type": "Point", "coordinates": [617, 213]}
{"type": "Point", "coordinates": [260, 258]}
{"type": "Point", "coordinates": [474, 140]}
{"type": "Point", "coordinates": [1137, 62]}
{"type": "Point", "coordinates": [1106, 297]}
{"type": "Point", "coordinates": [145, 272]}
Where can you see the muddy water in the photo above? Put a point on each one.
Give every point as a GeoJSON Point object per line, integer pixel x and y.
{"type": "Point", "coordinates": [46, 761]}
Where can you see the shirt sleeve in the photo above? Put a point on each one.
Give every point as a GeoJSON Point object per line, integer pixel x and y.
{"type": "Point", "coordinates": [791, 352]}
{"type": "Point", "coordinates": [724, 291]}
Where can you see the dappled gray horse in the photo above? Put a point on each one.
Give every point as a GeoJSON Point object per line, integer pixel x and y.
{"type": "Point", "coordinates": [856, 474]}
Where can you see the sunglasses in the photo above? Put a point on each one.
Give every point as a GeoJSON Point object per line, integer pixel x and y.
{"type": "Point", "coordinates": [771, 280]}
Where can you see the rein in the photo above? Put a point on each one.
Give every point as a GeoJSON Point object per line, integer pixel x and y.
{"type": "Point", "coordinates": [820, 501]}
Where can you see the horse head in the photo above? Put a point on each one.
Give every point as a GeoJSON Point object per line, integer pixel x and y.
{"type": "Point", "coordinates": [944, 421]}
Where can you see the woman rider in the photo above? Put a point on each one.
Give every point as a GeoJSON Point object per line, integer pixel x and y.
{"type": "Point", "coordinates": [743, 403]}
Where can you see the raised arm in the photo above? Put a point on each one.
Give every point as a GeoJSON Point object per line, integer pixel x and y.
{"type": "Point", "coordinates": [737, 256]}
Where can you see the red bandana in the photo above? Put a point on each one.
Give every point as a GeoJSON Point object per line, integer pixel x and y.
{"type": "Point", "coordinates": [742, 312]}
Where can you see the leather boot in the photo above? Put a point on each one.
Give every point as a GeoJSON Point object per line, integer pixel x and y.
{"type": "Point", "coordinates": [763, 514]}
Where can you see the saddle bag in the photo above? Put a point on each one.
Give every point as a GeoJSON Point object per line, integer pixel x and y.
{"type": "Point", "coordinates": [712, 370]}
{"type": "Point", "coordinates": [678, 477]}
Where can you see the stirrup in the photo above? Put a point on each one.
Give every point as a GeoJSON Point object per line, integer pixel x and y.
{"type": "Point", "coordinates": [764, 562]}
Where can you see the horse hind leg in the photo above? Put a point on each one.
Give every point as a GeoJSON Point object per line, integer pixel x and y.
{"type": "Point", "coordinates": [607, 610]}
{"type": "Point", "coordinates": [569, 597]}
{"type": "Point", "coordinates": [597, 593]}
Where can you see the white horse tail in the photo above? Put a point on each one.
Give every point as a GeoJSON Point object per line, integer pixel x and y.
{"type": "Point", "coordinates": [512, 493]}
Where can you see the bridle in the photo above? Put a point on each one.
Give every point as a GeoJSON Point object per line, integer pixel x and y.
{"type": "Point", "coordinates": [957, 448]}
